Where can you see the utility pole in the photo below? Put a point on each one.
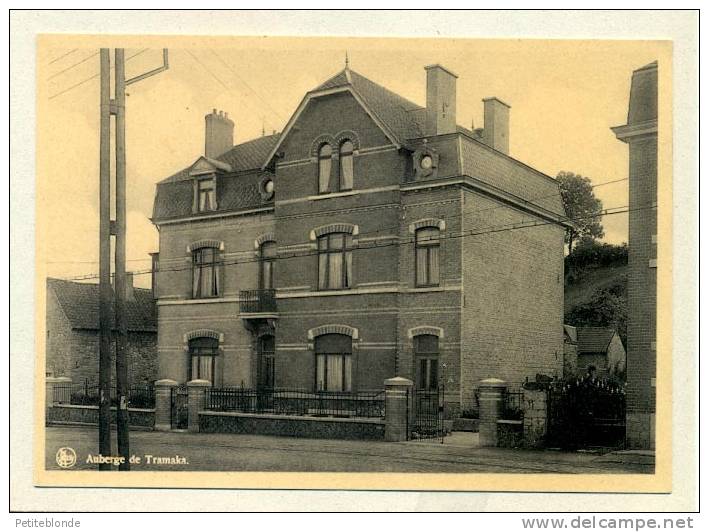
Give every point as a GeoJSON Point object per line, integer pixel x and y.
{"type": "Point", "coordinates": [117, 227]}
{"type": "Point", "coordinates": [121, 325]}
{"type": "Point", "coordinates": [105, 295]}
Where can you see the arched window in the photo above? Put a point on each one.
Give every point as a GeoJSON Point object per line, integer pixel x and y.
{"type": "Point", "coordinates": [205, 272]}
{"type": "Point", "coordinates": [427, 256]}
{"type": "Point", "coordinates": [346, 165]}
{"type": "Point", "coordinates": [426, 352]}
{"type": "Point", "coordinates": [267, 264]}
{"type": "Point", "coordinates": [203, 358]}
{"type": "Point", "coordinates": [324, 167]}
{"type": "Point", "coordinates": [334, 261]}
{"type": "Point", "coordinates": [333, 363]}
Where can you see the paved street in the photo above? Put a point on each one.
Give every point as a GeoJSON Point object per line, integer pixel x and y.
{"type": "Point", "coordinates": [233, 452]}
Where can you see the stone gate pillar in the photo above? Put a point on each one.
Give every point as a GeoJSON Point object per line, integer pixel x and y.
{"type": "Point", "coordinates": [163, 404]}
{"type": "Point", "coordinates": [491, 404]}
{"type": "Point", "coordinates": [195, 392]}
{"type": "Point", "coordinates": [535, 417]}
{"type": "Point", "coordinates": [397, 392]}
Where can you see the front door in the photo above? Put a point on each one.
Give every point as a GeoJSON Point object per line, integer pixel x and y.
{"type": "Point", "coordinates": [265, 374]}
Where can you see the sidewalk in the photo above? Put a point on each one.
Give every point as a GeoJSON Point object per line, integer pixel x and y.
{"type": "Point", "coordinates": [234, 452]}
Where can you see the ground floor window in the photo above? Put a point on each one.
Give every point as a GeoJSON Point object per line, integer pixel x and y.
{"type": "Point", "coordinates": [333, 363]}
{"type": "Point", "coordinates": [203, 358]}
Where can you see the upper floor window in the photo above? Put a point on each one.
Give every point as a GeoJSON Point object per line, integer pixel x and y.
{"type": "Point", "coordinates": [205, 273]}
{"type": "Point", "coordinates": [426, 351]}
{"type": "Point", "coordinates": [334, 261]}
{"type": "Point", "coordinates": [267, 264]}
{"type": "Point", "coordinates": [206, 195]}
{"type": "Point", "coordinates": [324, 167]}
{"type": "Point", "coordinates": [427, 256]}
{"type": "Point", "coordinates": [346, 165]}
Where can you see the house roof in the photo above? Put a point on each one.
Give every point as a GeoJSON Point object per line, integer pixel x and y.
{"type": "Point", "coordinates": [403, 117]}
{"type": "Point", "coordinates": [401, 120]}
{"type": "Point", "coordinates": [248, 155]}
{"type": "Point", "coordinates": [594, 339]}
{"type": "Point", "coordinates": [80, 303]}
{"type": "Point", "coordinates": [570, 332]}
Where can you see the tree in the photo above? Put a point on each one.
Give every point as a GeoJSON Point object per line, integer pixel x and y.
{"type": "Point", "coordinates": [607, 307]}
{"type": "Point", "coordinates": [581, 206]}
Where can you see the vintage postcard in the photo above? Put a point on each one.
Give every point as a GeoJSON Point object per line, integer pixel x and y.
{"type": "Point", "coordinates": [374, 263]}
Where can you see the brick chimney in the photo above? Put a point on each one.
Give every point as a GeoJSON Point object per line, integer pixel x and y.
{"type": "Point", "coordinates": [496, 132]}
{"type": "Point", "coordinates": [218, 134]}
{"type": "Point", "coordinates": [440, 100]}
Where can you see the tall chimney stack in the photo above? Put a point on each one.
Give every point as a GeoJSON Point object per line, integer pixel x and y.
{"type": "Point", "coordinates": [496, 130]}
{"type": "Point", "coordinates": [440, 100]}
{"type": "Point", "coordinates": [218, 134]}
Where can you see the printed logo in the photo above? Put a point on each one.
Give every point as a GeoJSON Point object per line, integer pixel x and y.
{"type": "Point", "coordinates": [66, 457]}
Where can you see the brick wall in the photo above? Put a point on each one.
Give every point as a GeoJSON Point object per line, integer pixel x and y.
{"type": "Point", "coordinates": [514, 288]}
{"type": "Point", "coordinates": [58, 362]}
{"type": "Point", "coordinates": [642, 294]}
{"type": "Point", "coordinates": [74, 353]}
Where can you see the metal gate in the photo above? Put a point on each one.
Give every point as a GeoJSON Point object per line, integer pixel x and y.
{"type": "Point", "coordinates": [584, 414]}
{"type": "Point", "coordinates": [178, 407]}
{"type": "Point", "coordinates": [426, 413]}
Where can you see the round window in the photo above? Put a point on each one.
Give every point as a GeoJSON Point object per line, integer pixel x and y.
{"type": "Point", "coordinates": [426, 162]}
{"type": "Point", "coordinates": [268, 187]}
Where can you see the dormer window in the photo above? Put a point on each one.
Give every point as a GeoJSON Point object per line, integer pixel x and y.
{"type": "Point", "coordinates": [206, 195]}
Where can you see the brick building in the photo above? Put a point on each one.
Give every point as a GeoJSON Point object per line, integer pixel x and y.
{"type": "Point", "coordinates": [372, 238]}
{"type": "Point", "coordinates": [73, 333]}
{"type": "Point", "coordinates": [640, 133]}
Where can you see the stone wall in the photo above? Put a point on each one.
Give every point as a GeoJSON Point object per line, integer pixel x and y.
{"type": "Point", "coordinates": [301, 427]}
{"type": "Point", "coordinates": [138, 417]}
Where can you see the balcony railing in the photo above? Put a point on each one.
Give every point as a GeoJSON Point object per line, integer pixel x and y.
{"type": "Point", "coordinates": [257, 301]}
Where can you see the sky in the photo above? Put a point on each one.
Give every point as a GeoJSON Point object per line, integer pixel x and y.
{"type": "Point", "coordinates": [564, 97]}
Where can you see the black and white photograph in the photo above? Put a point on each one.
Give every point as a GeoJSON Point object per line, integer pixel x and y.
{"type": "Point", "coordinates": [444, 261]}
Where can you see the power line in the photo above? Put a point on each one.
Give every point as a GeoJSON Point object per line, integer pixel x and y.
{"type": "Point", "coordinates": [407, 241]}
{"type": "Point", "coordinates": [92, 77]}
{"type": "Point", "coordinates": [210, 72]}
{"type": "Point", "coordinates": [62, 56]}
{"type": "Point", "coordinates": [72, 66]}
{"type": "Point", "coordinates": [265, 102]}
{"type": "Point", "coordinates": [395, 227]}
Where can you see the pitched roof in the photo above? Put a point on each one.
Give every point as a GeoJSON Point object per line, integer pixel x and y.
{"type": "Point", "coordinates": [401, 116]}
{"type": "Point", "coordinates": [235, 192]}
{"type": "Point", "coordinates": [248, 155]}
{"type": "Point", "coordinates": [570, 332]}
{"type": "Point", "coordinates": [80, 302]}
{"type": "Point", "coordinates": [594, 339]}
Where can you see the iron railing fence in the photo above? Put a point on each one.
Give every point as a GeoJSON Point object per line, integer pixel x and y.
{"type": "Point", "coordinates": [139, 395]}
{"type": "Point", "coordinates": [256, 301]}
{"type": "Point", "coordinates": [513, 402]}
{"type": "Point", "coordinates": [296, 402]}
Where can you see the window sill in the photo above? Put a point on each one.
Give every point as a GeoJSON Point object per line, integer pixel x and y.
{"type": "Point", "coordinates": [428, 288]}
{"type": "Point", "coordinates": [328, 195]}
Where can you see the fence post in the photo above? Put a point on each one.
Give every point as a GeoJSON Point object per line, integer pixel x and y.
{"type": "Point", "coordinates": [195, 398]}
{"type": "Point", "coordinates": [396, 393]}
{"type": "Point", "coordinates": [491, 405]}
{"type": "Point", "coordinates": [163, 404]}
{"type": "Point", "coordinates": [535, 417]}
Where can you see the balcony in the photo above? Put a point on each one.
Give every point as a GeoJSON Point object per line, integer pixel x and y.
{"type": "Point", "coordinates": [258, 304]}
